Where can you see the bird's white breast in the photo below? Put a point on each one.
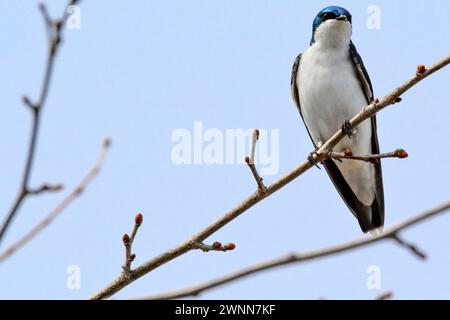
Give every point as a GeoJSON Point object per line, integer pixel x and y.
{"type": "Point", "coordinates": [331, 93]}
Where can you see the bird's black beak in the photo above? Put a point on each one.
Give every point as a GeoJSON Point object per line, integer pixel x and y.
{"type": "Point", "coordinates": [342, 18]}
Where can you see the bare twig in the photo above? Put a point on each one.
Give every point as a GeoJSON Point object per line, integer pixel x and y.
{"type": "Point", "coordinates": [256, 197]}
{"type": "Point", "coordinates": [382, 296]}
{"type": "Point", "coordinates": [411, 247]}
{"type": "Point", "coordinates": [385, 295]}
{"type": "Point", "coordinates": [216, 246]}
{"type": "Point", "coordinates": [54, 29]}
{"type": "Point", "coordinates": [47, 20]}
{"type": "Point", "coordinates": [302, 257]}
{"type": "Point", "coordinates": [128, 243]}
{"type": "Point", "coordinates": [46, 187]}
{"type": "Point", "coordinates": [251, 163]}
{"type": "Point", "coordinates": [61, 206]}
{"type": "Point", "coordinates": [259, 181]}
{"type": "Point", "coordinates": [348, 154]}
{"type": "Point", "coordinates": [255, 138]}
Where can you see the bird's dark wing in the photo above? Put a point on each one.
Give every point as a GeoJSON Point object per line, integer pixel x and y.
{"type": "Point", "coordinates": [361, 72]}
{"type": "Point", "coordinates": [369, 217]}
{"type": "Point", "coordinates": [294, 91]}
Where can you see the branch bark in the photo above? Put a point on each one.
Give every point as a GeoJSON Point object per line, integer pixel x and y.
{"type": "Point", "coordinates": [251, 163]}
{"type": "Point", "coordinates": [92, 173]}
{"type": "Point", "coordinates": [347, 154]}
{"type": "Point", "coordinates": [391, 233]}
{"type": "Point", "coordinates": [54, 28]}
{"type": "Point", "coordinates": [128, 243]}
{"type": "Point", "coordinates": [317, 156]}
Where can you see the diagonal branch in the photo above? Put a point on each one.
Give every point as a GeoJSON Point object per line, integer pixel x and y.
{"type": "Point", "coordinates": [54, 28]}
{"type": "Point", "coordinates": [301, 257]}
{"type": "Point", "coordinates": [61, 206]}
{"type": "Point", "coordinates": [319, 155]}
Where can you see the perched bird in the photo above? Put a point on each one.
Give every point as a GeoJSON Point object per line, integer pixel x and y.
{"type": "Point", "coordinates": [330, 85]}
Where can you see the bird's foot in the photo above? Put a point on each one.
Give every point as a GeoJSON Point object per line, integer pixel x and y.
{"type": "Point", "coordinates": [347, 128]}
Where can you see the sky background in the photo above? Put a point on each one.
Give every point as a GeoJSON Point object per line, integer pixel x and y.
{"type": "Point", "coordinates": [136, 71]}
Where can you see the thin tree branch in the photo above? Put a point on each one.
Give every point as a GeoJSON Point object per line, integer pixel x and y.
{"type": "Point", "coordinates": [251, 163]}
{"type": "Point", "coordinates": [409, 246]}
{"type": "Point", "coordinates": [385, 295]}
{"type": "Point", "coordinates": [348, 154]}
{"type": "Point", "coordinates": [302, 257]}
{"type": "Point", "coordinates": [54, 29]}
{"type": "Point", "coordinates": [46, 187]}
{"type": "Point", "coordinates": [47, 19]}
{"type": "Point", "coordinates": [61, 206]}
{"type": "Point", "coordinates": [128, 243]}
{"type": "Point", "coordinates": [319, 155]}
{"type": "Point", "coordinates": [216, 246]}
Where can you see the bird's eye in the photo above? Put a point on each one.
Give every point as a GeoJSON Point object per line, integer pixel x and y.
{"type": "Point", "coordinates": [328, 16]}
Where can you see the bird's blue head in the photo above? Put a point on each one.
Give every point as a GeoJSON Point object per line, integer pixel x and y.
{"type": "Point", "coordinates": [330, 13]}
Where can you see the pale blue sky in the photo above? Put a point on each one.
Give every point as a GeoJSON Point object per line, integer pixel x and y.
{"type": "Point", "coordinates": [138, 70]}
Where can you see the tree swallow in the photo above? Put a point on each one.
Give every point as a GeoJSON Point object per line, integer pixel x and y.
{"type": "Point", "coordinates": [330, 85]}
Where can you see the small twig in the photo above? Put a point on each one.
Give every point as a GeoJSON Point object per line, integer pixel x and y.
{"type": "Point", "coordinates": [61, 206]}
{"type": "Point", "coordinates": [251, 163]}
{"type": "Point", "coordinates": [26, 101]}
{"type": "Point", "coordinates": [348, 154]}
{"type": "Point", "coordinates": [382, 296]}
{"type": "Point", "coordinates": [255, 138]}
{"type": "Point", "coordinates": [216, 246]}
{"type": "Point", "coordinates": [300, 257]}
{"type": "Point", "coordinates": [48, 21]}
{"type": "Point", "coordinates": [128, 242]}
{"type": "Point", "coordinates": [54, 39]}
{"type": "Point", "coordinates": [385, 295]}
{"type": "Point", "coordinates": [46, 187]}
{"type": "Point", "coordinates": [411, 247]}
{"type": "Point", "coordinates": [321, 153]}
{"type": "Point", "coordinates": [259, 181]}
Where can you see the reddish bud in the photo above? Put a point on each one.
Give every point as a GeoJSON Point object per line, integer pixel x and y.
{"type": "Point", "coordinates": [107, 142]}
{"type": "Point", "coordinates": [400, 153]}
{"type": "Point", "coordinates": [217, 245]}
{"type": "Point", "coordinates": [126, 239]}
{"type": "Point", "coordinates": [257, 133]}
{"type": "Point", "coordinates": [398, 99]}
{"type": "Point", "coordinates": [348, 152]}
{"type": "Point", "coordinates": [376, 100]}
{"type": "Point", "coordinates": [138, 219]}
{"type": "Point", "coordinates": [132, 257]}
{"type": "Point", "coordinates": [230, 246]}
{"type": "Point", "coordinates": [247, 160]}
{"type": "Point", "coordinates": [421, 69]}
